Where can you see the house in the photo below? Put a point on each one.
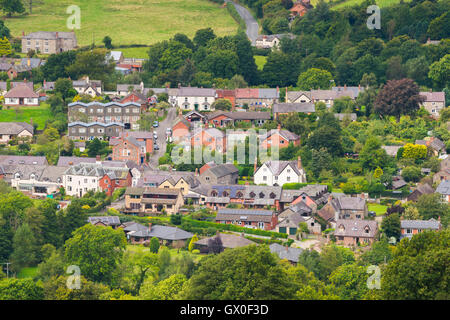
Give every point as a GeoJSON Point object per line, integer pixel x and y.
{"type": "Point", "coordinates": [195, 117]}
{"type": "Point", "coordinates": [225, 173]}
{"type": "Point", "coordinates": [211, 138]}
{"type": "Point", "coordinates": [325, 96]}
{"type": "Point", "coordinates": [90, 87]}
{"type": "Point", "coordinates": [49, 42]}
{"type": "Point", "coordinates": [135, 146]}
{"type": "Point", "coordinates": [398, 182]}
{"type": "Point", "coordinates": [391, 150]}
{"type": "Point", "coordinates": [126, 113]}
{"type": "Point", "coordinates": [298, 97]}
{"type": "Point", "coordinates": [290, 220]}
{"type": "Point", "coordinates": [420, 190]}
{"type": "Point", "coordinates": [151, 200]}
{"type": "Point", "coordinates": [89, 131]}
{"type": "Point", "coordinates": [433, 102]}
{"type": "Point", "coordinates": [328, 214]}
{"type": "Point", "coordinates": [352, 208]}
{"type": "Point", "coordinates": [435, 145]}
{"type": "Point", "coordinates": [139, 234]}
{"type": "Point", "coordinates": [444, 172]}
{"type": "Point", "coordinates": [257, 97]}
{"type": "Point", "coordinates": [293, 197]}
{"type": "Point", "coordinates": [193, 98]}
{"type": "Point", "coordinates": [222, 241]}
{"type": "Point", "coordinates": [277, 173]}
{"type": "Point", "coordinates": [100, 176]}
{"type": "Point", "coordinates": [290, 108]}
{"type": "Point", "coordinates": [270, 41]}
{"type": "Point", "coordinates": [35, 180]}
{"type": "Point", "coordinates": [300, 8]}
{"type": "Point", "coordinates": [125, 89]}
{"type": "Point", "coordinates": [249, 218]}
{"type": "Point", "coordinates": [352, 232]}
{"type": "Point", "coordinates": [344, 116]}
{"type": "Point", "coordinates": [286, 253]}
{"type": "Point", "coordinates": [444, 190]}
{"type": "Point", "coordinates": [21, 95]}
{"type": "Point", "coordinates": [48, 85]}
{"type": "Point", "coordinates": [180, 128]}
{"type": "Point", "coordinates": [411, 227]}
{"type": "Point", "coordinates": [278, 138]}
{"type": "Point", "coordinates": [105, 221]}
{"type": "Point", "coordinates": [229, 95]}
{"type": "Point", "coordinates": [222, 119]}
{"type": "Point", "coordinates": [183, 181]}
{"type": "Point", "coordinates": [15, 130]}
{"type": "Point", "coordinates": [115, 56]}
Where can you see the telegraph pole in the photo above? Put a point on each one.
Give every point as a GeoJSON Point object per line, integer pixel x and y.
{"type": "Point", "coordinates": [7, 269]}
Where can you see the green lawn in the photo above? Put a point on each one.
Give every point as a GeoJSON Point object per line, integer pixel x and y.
{"type": "Point", "coordinates": [24, 114]}
{"type": "Point", "coordinates": [139, 52]}
{"type": "Point", "coordinates": [378, 208]}
{"type": "Point", "coordinates": [347, 3]}
{"type": "Point", "coordinates": [27, 272]}
{"type": "Point", "coordinates": [260, 61]}
{"type": "Point", "coordinates": [127, 21]}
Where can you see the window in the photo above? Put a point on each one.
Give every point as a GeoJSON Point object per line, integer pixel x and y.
{"type": "Point", "coordinates": [252, 194]}
{"type": "Point", "coordinates": [264, 178]}
{"type": "Point", "coordinates": [261, 195]}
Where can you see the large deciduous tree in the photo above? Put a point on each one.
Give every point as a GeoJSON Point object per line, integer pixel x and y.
{"type": "Point", "coordinates": [398, 97]}
{"type": "Point", "coordinates": [314, 78]}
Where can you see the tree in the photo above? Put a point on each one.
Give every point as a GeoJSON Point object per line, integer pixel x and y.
{"type": "Point", "coordinates": [94, 147]}
{"type": "Point", "coordinates": [4, 31]}
{"type": "Point", "coordinates": [350, 281]}
{"type": "Point", "coordinates": [64, 87]}
{"type": "Point", "coordinates": [96, 250]}
{"type": "Point", "coordinates": [279, 70]}
{"type": "Point", "coordinates": [108, 42]}
{"type": "Point", "coordinates": [20, 289]}
{"type": "Point", "coordinates": [247, 66]}
{"type": "Point", "coordinates": [154, 245]}
{"type": "Point", "coordinates": [391, 225]}
{"type": "Point", "coordinates": [398, 97]}
{"type": "Point", "coordinates": [414, 151]}
{"type": "Point", "coordinates": [431, 206]}
{"type": "Point", "coordinates": [419, 268]}
{"type": "Point", "coordinates": [439, 72]}
{"type": "Point", "coordinates": [372, 156]}
{"type": "Point", "coordinates": [24, 245]}
{"type": "Point", "coordinates": [12, 6]}
{"type": "Point", "coordinates": [438, 27]}
{"type": "Point", "coordinates": [411, 173]}
{"type": "Point", "coordinates": [194, 239]}
{"type": "Point", "coordinates": [56, 289]}
{"type": "Point", "coordinates": [222, 104]}
{"type": "Point", "coordinates": [237, 81]}
{"type": "Point", "coordinates": [91, 63]}
{"type": "Point", "coordinates": [379, 253]}
{"type": "Point", "coordinates": [314, 78]}
{"type": "Point", "coordinates": [203, 36]}
{"type": "Point", "coordinates": [411, 213]}
{"type": "Point", "coordinates": [328, 138]}
{"type": "Point", "coordinates": [246, 273]}
{"type": "Point", "coordinates": [5, 47]}
{"type": "Point", "coordinates": [166, 289]}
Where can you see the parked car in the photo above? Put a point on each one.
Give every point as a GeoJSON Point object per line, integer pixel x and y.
{"type": "Point", "coordinates": [155, 147]}
{"type": "Point", "coordinates": [155, 135]}
{"type": "Point", "coordinates": [168, 131]}
{"type": "Point", "coordinates": [155, 124]}
{"type": "Point", "coordinates": [372, 214]}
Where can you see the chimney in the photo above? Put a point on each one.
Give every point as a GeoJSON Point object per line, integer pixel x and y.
{"type": "Point", "coordinates": [70, 163]}
{"type": "Point", "coordinates": [359, 86]}
{"type": "Point", "coordinates": [279, 127]}
{"type": "Point", "coordinates": [286, 98]}
{"type": "Point", "coordinates": [56, 34]}
{"type": "Point", "coordinates": [299, 162]}
{"type": "Point", "coordinates": [23, 34]}
{"type": "Point", "coordinates": [180, 113]}
{"type": "Point", "coordinates": [149, 227]}
{"type": "Point", "coordinates": [179, 85]}
{"type": "Point", "coordinates": [29, 62]}
{"type": "Point", "coordinates": [287, 248]}
{"type": "Point", "coordinates": [45, 82]}
{"type": "Point", "coordinates": [362, 195]}
{"type": "Point", "coordinates": [255, 166]}
{"type": "Point", "coordinates": [25, 80]}
{"type": "Point", "coordinates": [97, 159]}
{"type": "Point", "coordinates": [345, 86]}
{"type": "Point", "coordinates": [196, 172]}
{"type": "Point", "coordinates": [31, 121]}
{"type": "Point", "coordinates": [330, 198]}
{"type": "Point", "coordinates": [247, 183]}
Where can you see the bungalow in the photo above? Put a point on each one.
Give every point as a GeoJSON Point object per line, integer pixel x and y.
{"type": "Point", "coordinates": [105, 221]}
{"type": "Point", "coordinates": [139, 234]}
{"type": "Point", "coordinates": [435, 144]}
{"type": "Point", "coordinates": [290, 108]}
{"type": "Point", "coordinates": [278, 138]}
{"type": "Point", "coordinates": [286, 253]}
{"type": "Point", "coordinates": [222, 241]}
{"type": "Point", "coordinates": [195, 116]}
{"type": "Point", "coordinates": [411, 227]}
{"type": "Point", "coordinates": [21, 95]}
{"type": "Point", "coordinates": [300, 8]}
{"type": "Point", "coordinates": [222, 119]}
{"type": "Point", "coordinates": [278, 173]}
{"type": "Point", "coordinates": [15, 130]}
{"type": "Point", "coordinates": [249, 218]}
{"type": "Point", "coordinates": [353, 232]}
{"type": "Point", "coordinates": [343, 116]}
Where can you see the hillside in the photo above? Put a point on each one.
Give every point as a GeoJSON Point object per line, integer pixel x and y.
{"type": "Point", "coordinates": [127, 21]}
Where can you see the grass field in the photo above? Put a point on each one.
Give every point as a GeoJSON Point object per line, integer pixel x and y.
{"type": "Point", "coordinates": [139, 53]}
{"type": "Point", "coordinates": [127, 21]}
{"type": "Point", "coordinates": [347, 3]}
{"type": "Point", "coordinates": [27, 273]}
{"type": "Point", "coordinates": [38, 114]}
{"type": "Point", "coordinates": [378, 208]}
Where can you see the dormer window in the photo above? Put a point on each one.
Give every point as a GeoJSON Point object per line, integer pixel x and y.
{"type": "Point", "coordinates": [272, 195]}
{"type": "Point", "coordinates": [225, 194]}
{"type": "Point", "coordinates": [252, 194]}
{"type": "Point", "coordinates": [214, 193]}
{"type": "Point", "coordinates": [261, 195]}
{"type": "Point", "coordinates": [32, 176]}
{"type": "Point", "coordinates": [17, 176]}
{"type": "Point", "coordinates": [239, 194]}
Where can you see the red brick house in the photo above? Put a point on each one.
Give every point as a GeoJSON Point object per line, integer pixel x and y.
{"type": "Point", "coordinates": [132, 146]}
{"type": "Point", "coordinates": [229, 95]}
{"type": "Point", "coordinates": [278, 138]}
{"type": "Point", "coordinates": [111, 181]}
{"type": "Point", "coordinates": [180, 128]}
{"type": "Point", "coordinates": [137, 98]}
{"type": "Point", "coordinates": [209, 137]}
{"type": "Point", "coordinates": [256, 219]}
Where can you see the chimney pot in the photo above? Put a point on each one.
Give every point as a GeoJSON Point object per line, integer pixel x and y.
{"type": "Point", "coordinates": [149, 227]}
{"type": "Point", "coordinates": [279, 127]}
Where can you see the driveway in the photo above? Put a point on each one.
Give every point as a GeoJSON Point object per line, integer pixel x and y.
{"type": "Point", "coordinates": [252, 24]}
{"type": "Point", "coordinates": [161, 141]}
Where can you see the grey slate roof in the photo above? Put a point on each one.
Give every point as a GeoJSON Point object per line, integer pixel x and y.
{"type": "Point", "coordinates": [196, 92]}
{"type": "Point", "coordinates": [68, 161]}
{"type": "Point", "coordinates": [306, 107]}
{"type": "Point", "coordinates": [420, 224]}
{"type": "Point", "coordinates": [14, 160]}
{"type": "Point", "coordinates": [222, 170]}
{"type": "Point", "coordinates": [290, 136]}
{"type": "Point", "coordinates": [107, 220]}
{"type": "Point", "coordinates": [244, 214]}
{"type": "Point", "coordinates": [228, 241]}
{"type": "Point", "coordinates": [350, 203]}
{"type": "Point", "coordinates": [356, 228]}
{"type": "Point", "coordinates": [288, 253]}
{"type": "Point", "coordinates": [50, 35]}
{"type": "Point", "coordinates": [444, 187]}
{"type": "Point", "coordinates": [277, 166]}
{"type": "Point", "coordinates": [158, 231]}
{"type": "Point", "coordinates": [15, 127]}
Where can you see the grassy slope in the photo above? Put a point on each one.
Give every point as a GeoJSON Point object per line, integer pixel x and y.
{"type": "Point", "coordinates": [128, 21]}
{"type": "Point", "coordinates": [38, 114]}
{"type": "Point", "coordinates": [260, 61]}
{"type": "Point", "coordinates": [347, 3]}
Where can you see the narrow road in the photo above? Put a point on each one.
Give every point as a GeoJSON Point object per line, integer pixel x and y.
{"type": "Point", "coordinates": [161, 141]}
{"type": "Point", "coordinates": [252, 24]}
